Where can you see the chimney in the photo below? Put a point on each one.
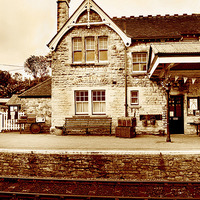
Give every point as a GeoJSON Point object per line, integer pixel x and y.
{"type": "Point", "coordinates": [62, 13]}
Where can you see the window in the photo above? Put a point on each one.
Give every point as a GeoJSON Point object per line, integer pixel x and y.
{"type": "Point", "coordinates": [103, 49]}
{"type": "Point", "coordinates": [193, 105]}
{"type": "Point", "coordinates": [134, 97]}
{"type": "Point", "coordinates": [98, 102]}
{"type": "Point", "coordinates": [90, 102]}
{"type": "Point", "coordinates": [139, 62]}
{"type": "Point", "coordinates": [81, 102]}
{"type": "Point", "coordinates": [90, 49]}
{"type": "Point", "coordinates": [77, 50]}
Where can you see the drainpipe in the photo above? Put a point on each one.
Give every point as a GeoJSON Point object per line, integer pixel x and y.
{"type": "Point", "coordinates": [126, 101]}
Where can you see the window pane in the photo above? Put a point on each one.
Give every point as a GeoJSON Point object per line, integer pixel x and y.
{"type": "Point", "coordinates": [103, 44]}
{"type": "Point", "coordinates": [103, 107]}
{"type": "Point", "coordinates": [134, 93]}
{"type": "Point", "coordinates": [143, 67]}
{"type": "Point", "coordinates": [99, 107]}
{"type": "Point", "coordinates": [79, 107]}
{"type": "Point", "coordinates": [77, 56]}
{"type": "Point", "coordinates": [85, 107]}
{"type": "Point", "coordinates": [134, 58]}
{"type": "Point", "coordinates": [134, 101]}
{"type": "Point", "coordinates": [77, 44]}
{"type": "Point", "coordinates": [90, 44]}
{"type": "Point", "coordinates": [144, 57]}
{"type": "Point", "coordinates": [136, 67]}
{"type": "Point", "coordinates": [103, 55]}
{"type": "Point", "coordinates": [96, 107]}
{"type": "Point", "coordinates": [90, 56]}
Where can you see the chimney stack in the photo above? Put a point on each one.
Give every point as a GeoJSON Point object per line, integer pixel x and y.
{"type": "Point", "coordinates": [62, 13]}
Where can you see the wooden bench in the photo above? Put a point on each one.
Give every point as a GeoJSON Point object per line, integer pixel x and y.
{"type": "Point", "coordinates": [86, 122]}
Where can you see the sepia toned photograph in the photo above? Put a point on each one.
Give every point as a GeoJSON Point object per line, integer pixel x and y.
{"type": "Point", "coordinates": [100, 100]}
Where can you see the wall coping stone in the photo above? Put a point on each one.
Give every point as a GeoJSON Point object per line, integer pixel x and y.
{"type": "Point", "coordinates": [101, 152]}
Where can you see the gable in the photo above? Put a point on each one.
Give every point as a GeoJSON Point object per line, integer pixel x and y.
{"type": "Point", "coordinates": [93, 17]}
{"type": "Point", "coordinates": [88, 14]}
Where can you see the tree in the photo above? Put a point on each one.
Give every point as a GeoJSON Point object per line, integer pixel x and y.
{"type": "Point", "coordinates": [38, 66]}
{"type": "Point", "coordinates": [15, 85]}
{"type": "Point", "coordinates": [5, 77]}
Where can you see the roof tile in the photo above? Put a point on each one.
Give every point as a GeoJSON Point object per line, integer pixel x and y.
{"type": "Point", "coordinates": [159, 26]}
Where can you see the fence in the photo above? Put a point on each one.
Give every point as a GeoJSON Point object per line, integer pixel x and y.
{"type": "Point", "coordinates": [9, 124]}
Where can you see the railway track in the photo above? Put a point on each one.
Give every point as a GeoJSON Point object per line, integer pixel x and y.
{"type": "Point", "coordinates": [47, 189]}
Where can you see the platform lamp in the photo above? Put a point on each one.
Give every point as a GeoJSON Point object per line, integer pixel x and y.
{"type": "Point", "coordinates": [168, 87]}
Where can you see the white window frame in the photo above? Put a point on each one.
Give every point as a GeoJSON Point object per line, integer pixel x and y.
{"type": "Point", "coordinates": [102, 49]}
{"type": "Point", "coordinates": [131, 97]}
{"type": "Point", "coordinates": [75, 101]}
{"type": "Point", "coordinates": [141, 63]}
{"type": "Point", "coordinates": [101, 101]}
{"type": "Point", "coordinates": [90, 101]}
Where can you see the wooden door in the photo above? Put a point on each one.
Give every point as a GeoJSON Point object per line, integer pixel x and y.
{"type": "Point", "coordinates": [176, 119]}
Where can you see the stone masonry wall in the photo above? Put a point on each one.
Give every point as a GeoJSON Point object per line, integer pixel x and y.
{"type": "Point", "coordinates": [68, 77]}
{"type": "Point", "coordinates": [41, 107]}
{"type": "Point", "coordinates": [136, 166]}
{"type": "Point", "coordinates": [193, 90]}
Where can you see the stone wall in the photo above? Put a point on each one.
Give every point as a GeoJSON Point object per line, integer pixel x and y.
{"type": "Point", "coordinates": [41, 107]}
{"type": "Point", "coordinates": [146, 166]}
{"type": "Point", "coordinates": [68, 77]}
{"type": "Point", "coordinates": [193, 90]}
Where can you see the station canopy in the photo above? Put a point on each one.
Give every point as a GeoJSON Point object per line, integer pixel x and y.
{"type": "Point", "coordinates": [180, 60]}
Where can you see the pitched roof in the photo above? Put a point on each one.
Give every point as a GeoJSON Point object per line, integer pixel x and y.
{"type": "Point", "coordinates": [14, 100]}
{"type": "Point", "coordinates": [153, 27]}
{"type": "Point", "coordinates": [40, 90]}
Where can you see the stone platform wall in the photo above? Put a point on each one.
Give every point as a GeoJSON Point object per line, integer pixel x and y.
{"type": "Point", "coordinates": [79, 165]}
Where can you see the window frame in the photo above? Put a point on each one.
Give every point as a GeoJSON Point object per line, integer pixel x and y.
{"type": "Point", "coordinates": [75, 101]}
{"type": "Point", "coordinates": [89, 49]}
{"type": "Point", "coordinates": [100, 101]}
{"type": "Point", "coordinates": [140, 63]}
{"type": "Point", "coordinates": [102, 49]}
{"type": "Point", "coordinates": [131, 97]}
{"type": "Point", "coordinates": [77, 50]}
{"type": "Point", "coordinates": [193, 111]}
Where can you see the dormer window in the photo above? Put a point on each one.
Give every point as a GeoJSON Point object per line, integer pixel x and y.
{"type": "Point", "coordinates": [139, 62]}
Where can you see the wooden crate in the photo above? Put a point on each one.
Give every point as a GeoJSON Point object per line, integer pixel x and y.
{"type": "Point", "coordinates": [127, 122]}
{"type": "Point", "coordinates": [125, 132]}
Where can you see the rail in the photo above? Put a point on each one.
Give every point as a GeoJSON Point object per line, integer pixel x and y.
{"type": "Point", "coordinates": [27, 188]}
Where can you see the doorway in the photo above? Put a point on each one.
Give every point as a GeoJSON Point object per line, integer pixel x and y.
{"type": "Point", "coordinates": [176, 119]}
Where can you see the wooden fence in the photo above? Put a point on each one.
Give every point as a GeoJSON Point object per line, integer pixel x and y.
{"type": "Point", "coordinates": [9, 124]}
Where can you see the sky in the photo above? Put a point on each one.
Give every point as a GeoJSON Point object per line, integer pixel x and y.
{"type": "Point", "coordinates": [27, 26]}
